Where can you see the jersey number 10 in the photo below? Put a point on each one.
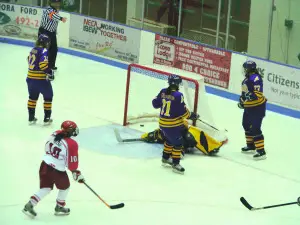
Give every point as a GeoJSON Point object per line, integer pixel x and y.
{"type": "Point", "coordinates": [165, 109]}
{"type": "Point", "coordinates": [54, 151]}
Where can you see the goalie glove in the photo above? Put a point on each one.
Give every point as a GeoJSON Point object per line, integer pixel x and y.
{"type": "Point", "coordinates": [77, 176]}
{"type": "Point", "coordinates": [194, 116]}
{"type": "Point", "coordinates": [150, 137]}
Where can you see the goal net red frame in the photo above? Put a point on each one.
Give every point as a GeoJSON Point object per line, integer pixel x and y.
{"type": "Point", "coordinates": [144, 83]}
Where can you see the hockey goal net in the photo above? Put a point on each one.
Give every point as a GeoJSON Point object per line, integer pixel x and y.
{"type": "Point", "coordinates": [145, 82]}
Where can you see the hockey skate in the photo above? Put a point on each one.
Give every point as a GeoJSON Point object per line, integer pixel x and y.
{"type": "Point", "coordinates": [33, 121]}
{"type": "Point", "coordinates": [177, 168]}
{"type": "Point", "coordinates": [28, 210]}
{"type": "Point", "coordinates": [260, 155]}
{"type": "Point", "coordinates": [248, 149]}
{"type": "Point", "coordinates": [61, 211]}
{"type": "Point", "coordinates": [166, 162]}
{"type": "Point", "coordinates": [47, 121]}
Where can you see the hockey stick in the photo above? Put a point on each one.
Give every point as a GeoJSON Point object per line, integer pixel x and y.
{"type": "Point", "coordinates": [119, 139]}
{"type": "Point", "coordinates": [248, 206]}
{"type": "Point", "coordinates": [121, 205]}
{"type": "Point", "coordinates": [210, 125]}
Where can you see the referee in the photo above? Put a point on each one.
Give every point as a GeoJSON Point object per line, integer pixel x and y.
{"type": "Point", "coordinates": [49, 23]}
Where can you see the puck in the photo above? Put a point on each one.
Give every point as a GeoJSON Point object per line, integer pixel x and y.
{"type": "Point", "coordinates": [141, 125]}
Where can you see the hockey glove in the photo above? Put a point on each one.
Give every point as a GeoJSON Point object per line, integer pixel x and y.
{"type": "Point", "coordinates": [77, 176]}
{"type": "Point", "coordinates": [194, 116]}
{"type": "Point", "coordinates": [50, 76]}
{"type": "Point", "coordinates": [249, 96]}
{"type": "Point", "coordinates": [150, 137]}
{"type": "Point", "coordinates": [241, 106]}
{"type": "Point", "coordinates": [241, 103]}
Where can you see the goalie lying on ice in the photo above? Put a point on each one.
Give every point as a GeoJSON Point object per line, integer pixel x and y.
{"type": "Point", "coordinates": [193, 137]}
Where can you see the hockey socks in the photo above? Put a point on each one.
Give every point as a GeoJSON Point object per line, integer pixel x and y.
{"type": "Point", "coordinates": [61, 197]}
{"type": "Point", "coordinates": [249, 140]}
{"type": "Point", "coordinates": [31, 105]}
{"type": "Point", "coordinates": [259, 142]}
{"type": "Point", "coordinates": [39, 195]}
{"type": "Point", "coordinates": [47, 109]}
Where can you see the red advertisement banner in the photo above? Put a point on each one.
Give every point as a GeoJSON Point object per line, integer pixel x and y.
{"type": "Point", "coordinates": [212, 64]}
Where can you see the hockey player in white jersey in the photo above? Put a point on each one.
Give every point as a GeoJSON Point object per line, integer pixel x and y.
{"type": "Point", "coordinates": [61, 152]}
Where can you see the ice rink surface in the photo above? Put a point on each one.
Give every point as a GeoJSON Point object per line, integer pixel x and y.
{"type": "Point", "coordinates": [92, 94]}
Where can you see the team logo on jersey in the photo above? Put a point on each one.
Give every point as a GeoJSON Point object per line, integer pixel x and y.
{"type": "Point", "coordinates": [4, 19]}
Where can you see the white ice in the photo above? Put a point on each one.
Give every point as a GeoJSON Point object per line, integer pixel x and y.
{"type": "Point", "coordinates": [92, 94]}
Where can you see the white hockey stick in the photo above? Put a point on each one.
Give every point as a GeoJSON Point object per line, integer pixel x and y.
{"type": "Point", "coordinates": [121, 140]}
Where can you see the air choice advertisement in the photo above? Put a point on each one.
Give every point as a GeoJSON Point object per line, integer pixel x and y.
{"type": "Point", "coordinates": [104, 38]}
{"type": "Point", "coordinates": [212, 64]}
{"type": "Point", "coordinates": [19, 21]}
{"type": "Point", "coordinates": [281, 83]}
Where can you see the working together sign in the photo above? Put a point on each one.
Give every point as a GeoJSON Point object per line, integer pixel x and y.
{"type": "Point", "coordinates": [105, 38]}
{"type": "Point", "coordinates": [19, 21]}
{"type": "Point", "coordinates": [212, 64]}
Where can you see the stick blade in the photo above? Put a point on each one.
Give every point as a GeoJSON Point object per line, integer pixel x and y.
{"type": "Point", "coordinates": [245, 203]}
{"type": "Point", "coordinates": [118, 206]}
{"type": "Point", "coordinates": [117, 134]}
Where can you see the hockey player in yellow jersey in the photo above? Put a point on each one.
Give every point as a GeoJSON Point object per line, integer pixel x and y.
{"type": "Point", "coordinates": [192, 138]}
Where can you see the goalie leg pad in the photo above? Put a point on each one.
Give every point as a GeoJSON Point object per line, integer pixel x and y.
{"type": "Point", "coordinates": [189, 140]}
{"type": "Point", "coordinates": [206, 144]}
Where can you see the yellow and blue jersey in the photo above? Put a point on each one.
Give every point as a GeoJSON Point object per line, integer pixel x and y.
{"type": "Point", "coordinates": [38, 63]}
{"type": "Point", "coordinates": [173, 110]}
{"type": "Point", "coordinates": [252, 87]}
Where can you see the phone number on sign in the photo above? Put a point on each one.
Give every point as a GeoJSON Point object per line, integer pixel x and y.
{"type": "Point", "coordinates": [27, 22]}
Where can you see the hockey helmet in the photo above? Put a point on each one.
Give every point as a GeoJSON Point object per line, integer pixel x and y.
{"type": "Point", "coordinates": [44, 40]}
{"type": "Point", "coordinates": [249, 67]}
{"type": "Point", "coordinates": [70, 128]}
{"type": "Point", "coordinates": [174, 80]}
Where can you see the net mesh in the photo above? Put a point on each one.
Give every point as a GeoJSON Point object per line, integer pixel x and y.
{"type": "Point", "coordinates": [145, 82]}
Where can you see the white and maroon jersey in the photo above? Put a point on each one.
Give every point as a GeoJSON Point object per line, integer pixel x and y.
{"type": "Point", "coordinates": [61, 155]}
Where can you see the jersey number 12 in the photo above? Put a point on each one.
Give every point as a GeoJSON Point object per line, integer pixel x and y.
{"type": "Point", "coordinates": [31, 60]}
{"type": "Point", "coordinates": [165, 109]}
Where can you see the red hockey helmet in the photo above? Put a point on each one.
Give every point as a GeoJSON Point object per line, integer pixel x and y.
{"type": "Point", "coordinates": [70, 128]}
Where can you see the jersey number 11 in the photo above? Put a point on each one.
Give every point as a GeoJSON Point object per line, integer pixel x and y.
{"type": "Point", "coordinates": [165, 109]}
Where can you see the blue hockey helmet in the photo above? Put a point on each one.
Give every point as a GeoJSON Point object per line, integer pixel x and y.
{"type": "Point", "coordinates": [174, 80]}
{"type": "Point", "coordinates": [249, 65]}
{"type": "Point", "coordinates": [44, 40]}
